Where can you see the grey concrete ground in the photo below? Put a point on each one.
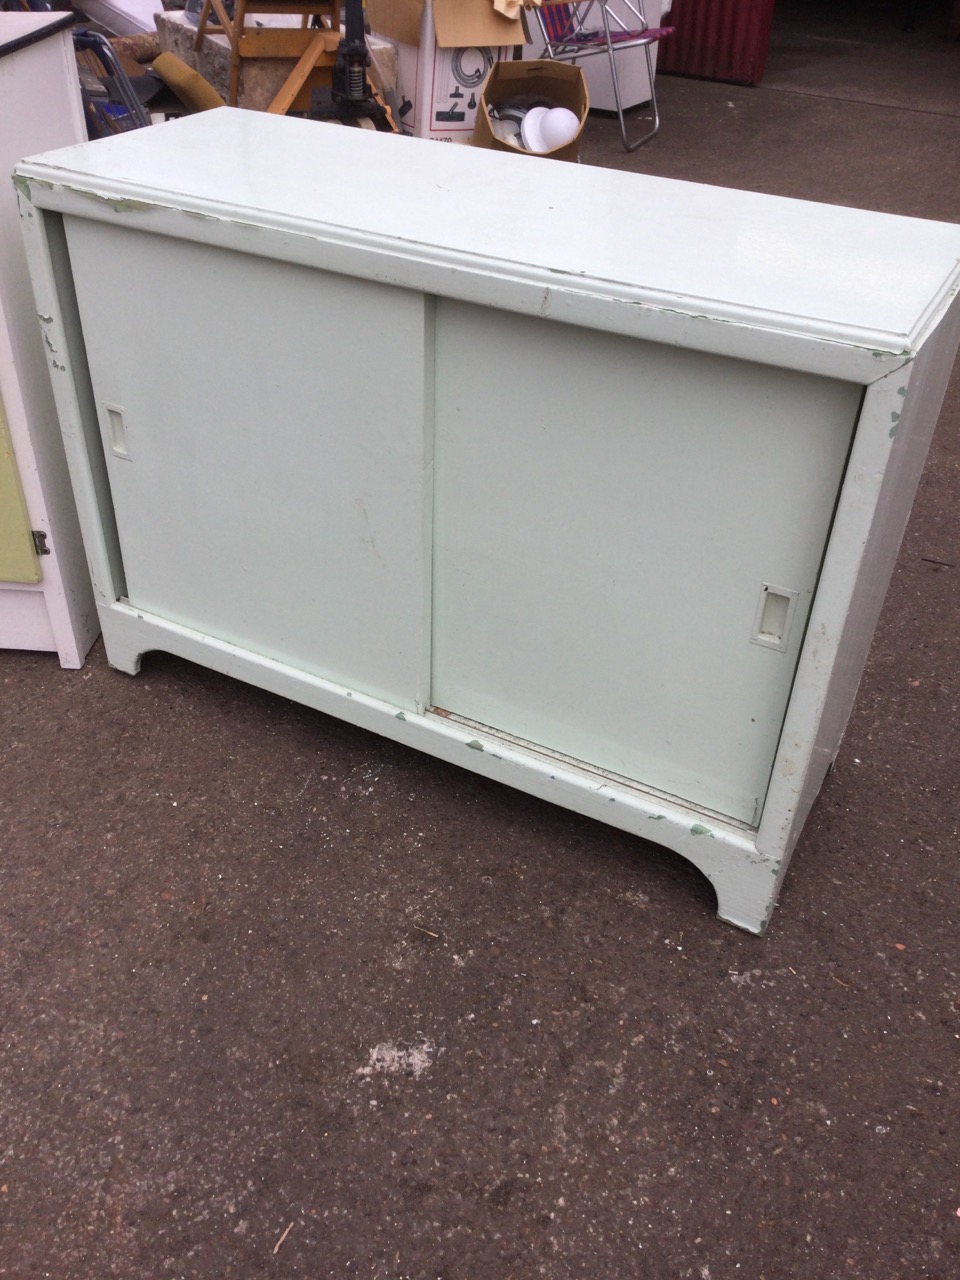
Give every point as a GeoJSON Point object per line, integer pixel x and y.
{"type": "Point", "coordinates": [280, 999]}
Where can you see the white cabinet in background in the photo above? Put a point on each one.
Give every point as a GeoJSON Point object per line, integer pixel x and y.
{"type": "Point", "coordinates": [603, 517]}
{"type": "Point", "coordinates": [46, 602]}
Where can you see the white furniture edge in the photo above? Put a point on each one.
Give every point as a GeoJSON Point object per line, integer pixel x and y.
{"type": "Point", "coordinates": [58, 613]}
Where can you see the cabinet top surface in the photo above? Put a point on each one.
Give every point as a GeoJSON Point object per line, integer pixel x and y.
{"type": "Point", "coordinates": [848, 275]}
{"type": "Point", "coordinates": [19, 29]}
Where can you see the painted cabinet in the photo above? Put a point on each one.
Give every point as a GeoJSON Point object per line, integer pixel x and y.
{"type": "Point", "coordinates": [46, 601]}
{"type": "Point", "coordinates": [606, 520]}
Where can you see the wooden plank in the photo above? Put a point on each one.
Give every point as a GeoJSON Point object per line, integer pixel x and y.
{"type": "Point", "coordinates": [287, 42]}
{"type": "Point", "coordinates": [297, 78]}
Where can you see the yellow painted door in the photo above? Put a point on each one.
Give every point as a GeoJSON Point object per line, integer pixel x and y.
{"type": "Point", "coordinates": [18, 556]}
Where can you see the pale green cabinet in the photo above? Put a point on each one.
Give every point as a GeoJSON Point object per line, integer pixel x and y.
{"type": "Point", "coordinates": [608, 517]}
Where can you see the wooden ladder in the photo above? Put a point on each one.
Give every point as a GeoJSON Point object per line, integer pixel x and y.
{"type": "Point", "coordinates": [313, 46]}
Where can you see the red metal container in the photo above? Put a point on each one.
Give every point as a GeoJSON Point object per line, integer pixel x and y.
{"type": "Point", "coordinates": [718, 40]}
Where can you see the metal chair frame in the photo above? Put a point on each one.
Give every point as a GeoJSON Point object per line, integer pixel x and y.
{"type": "Point", "coordinates": [567, 38]}
{"type": "Point", "coordinates": [120, 110]}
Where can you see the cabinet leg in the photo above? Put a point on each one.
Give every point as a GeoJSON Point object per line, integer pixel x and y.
{"type": "Point", "coordinates": [124, 648]}
{"type": "Point", "coordinates": [747, 895]}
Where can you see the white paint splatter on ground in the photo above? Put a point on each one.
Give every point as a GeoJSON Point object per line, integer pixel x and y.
{"type": "Point", "coordinates": [393, 1059]}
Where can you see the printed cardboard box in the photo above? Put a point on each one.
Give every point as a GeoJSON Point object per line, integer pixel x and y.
{"type": "Point", "coordinates": [445, 51]}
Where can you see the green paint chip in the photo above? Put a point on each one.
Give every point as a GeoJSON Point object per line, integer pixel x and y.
{"type": "Point", "coordinates": [474, 745]}
{"type": "Point", "coordinates": [698, 829]}
{"type": "Point", "coordinates": [657, 817]}
{"type": "Point", "coordinates": [129, 206]}
{"type": "Point", "coordinates": [400, 716]}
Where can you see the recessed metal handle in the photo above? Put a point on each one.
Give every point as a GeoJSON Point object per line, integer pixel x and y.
{"type": "Point", "coordinates": [118, 431]}
{"type": "Point", "coordinates": [775, 609]}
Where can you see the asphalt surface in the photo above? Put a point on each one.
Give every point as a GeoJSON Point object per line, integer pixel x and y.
{"type": "Point", "coordinates": [282, 999]}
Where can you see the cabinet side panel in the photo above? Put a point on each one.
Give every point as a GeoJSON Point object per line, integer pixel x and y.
{"type": "Point", "coordinates": [902, 407]}
{"type": "Point", "coordinates": [54, 287]}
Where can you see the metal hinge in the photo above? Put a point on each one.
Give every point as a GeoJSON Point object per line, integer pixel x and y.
{"type": "Point", "coordinates": [40, 542]}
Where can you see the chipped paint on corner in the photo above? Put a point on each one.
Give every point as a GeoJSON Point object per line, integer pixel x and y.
{"type": "Point", "coordinates": [400, 716]}
{"type": "Point", "coordinates": [698, 829]}
{"type": "Point", "coordinates": [119, 204]}
{"type": "Point", "coordinates": [129, 206]}
{"type": "Point", "coordinates": [656, 817]}
{"type": "Point", "coordinates": [474, 745]}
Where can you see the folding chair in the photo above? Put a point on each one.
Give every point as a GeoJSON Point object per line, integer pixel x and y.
{"type": "Point", "coordinates": [569, 35]}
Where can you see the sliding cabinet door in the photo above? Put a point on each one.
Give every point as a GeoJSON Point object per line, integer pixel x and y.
{"type": "Point", "coordinates": [628, 538]}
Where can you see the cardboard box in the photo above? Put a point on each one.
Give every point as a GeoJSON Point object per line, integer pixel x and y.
{"type": "Point", "coordinates": [445, 50]}
{"type": "Point", "coordinates": [559, 82]}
